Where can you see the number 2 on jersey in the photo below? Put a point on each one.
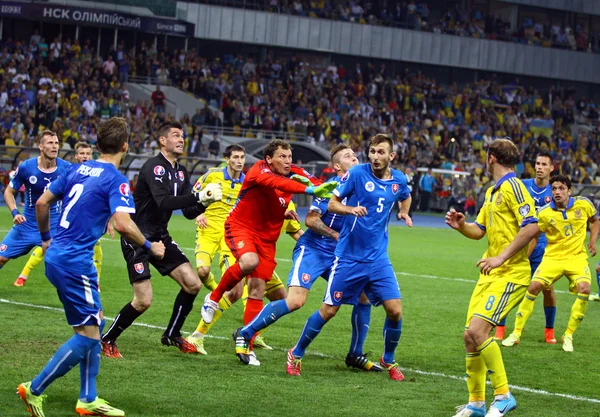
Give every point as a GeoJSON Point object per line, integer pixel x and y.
{"type": "Point", "coordinates": [568, 229]}
{"type": "Point", "coordinates": [75, 193]}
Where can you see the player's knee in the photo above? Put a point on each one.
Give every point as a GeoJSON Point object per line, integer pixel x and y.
{"type": "Point", "coordinates": [583, 288]}
{"type": "Point", "coordinates": [3, 260]}
{"type": "Point", "coordinates": [327, 312]}
{"type": "Point", "coordinates": [394, 314]}
{"type": "Point", "coordinates": [295, 302]}
{"type": "Point", "coordinates": [248, 262]}
{"type": "Point", "coordinates": [203, 272]}
{"type": "Point", "coordinates": [535, 288]}
{"type": "Point", "coordinates": [193, 287]}
{"type": "Point", "coordinates": [142, 304]}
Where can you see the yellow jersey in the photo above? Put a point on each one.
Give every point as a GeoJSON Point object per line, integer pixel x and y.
{"type": "Point", "coordinates": [508, 206]}
{"type": "Point", "coordinates": [566, 229]}
{"type": "Point", "coordinates": [217, 212]}
{"type": "Point", "coordinates": [291, 226]}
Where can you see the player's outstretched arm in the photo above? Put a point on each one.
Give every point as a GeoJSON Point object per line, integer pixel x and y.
{"type": "Point", "coordinates": [42, 214]}
{"type": "Point", "coordinates": [129, 230]}
{"type": "Point", "coordinates": [457, 221]}
{"type": "Point", "coordinates": [314, 222]}
{"type": "Point", "coordinates": [336, 206]}
{"type": "Point", "coordinates": [594, 229]}
{"type": "Point", "coordinates": [11, 202]}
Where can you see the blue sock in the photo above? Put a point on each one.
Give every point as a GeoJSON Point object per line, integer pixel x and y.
{"type": "Point", "coordinates": [391, 336]}
{"type": "Point", "coordinates": [597, 279]}
{"type": "Point", "coordinates": [503, 322]}
{"type": "Point", "coordinates": [65, 358]}
{"type": "Point", "coordinates": [361, 318]}
{"type": "Point", "coordinates": [88, 371]}
{"type": "Point", "coordinates": [550, 316]}
{"type": "Point", "coordinates": [312, 328]}
{"type": "Point", "coordinates": [268, 315]}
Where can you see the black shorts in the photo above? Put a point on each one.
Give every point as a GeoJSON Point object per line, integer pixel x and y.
{"type": "Point", "coordinates": [139, 259]}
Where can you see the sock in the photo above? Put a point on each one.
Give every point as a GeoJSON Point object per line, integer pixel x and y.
{"type": "Point", "coordinates": [550, 313]}
{"type": "Point", "coordinates": [597, 280]}
{"type": "Point", "coordinates": [391, 336]}
{"type": "Point", "coordinates": [491, 355]}
{"type": "Point", "coordinates": [502, 323]}
{"type": "Point", "coordinates": [577, 313]}
{"type": "Point", "coordinates": [124, 319]}
{"type": "Point", "coordinates": [267, 316]}
{"type": "Point", "coordinates": [203, 328]}
{"type": "Point", "coordinates": [252, 309]}
{"type": "Point", "coordinates": [98, 259]}
{"type": "Point", "coordinates": [88, 371]}
{"type": "Point", "coordinates": [65, 358]}
{"type": "Point", "coordinates": [182, 307]}
{"type": "Point", "coordinates": [525, 310]}
{"type": "Point", "coordinates": [34, 260]}
{"type": "Point", "coordinates": [312, 328]}
{"type": "Point", "coordinates": [361, 319]}
{"type": "Point", "coordinates": [209, 282]}
{"type": "Point", "coordinates": [245, 295]}
{"type": "Point", "coordinates": [230, 279]}
{"type": "Point", "coordinates": [476, 375]}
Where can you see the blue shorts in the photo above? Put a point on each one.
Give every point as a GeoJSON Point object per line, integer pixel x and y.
{"type": "Point", "coordinates": [348, 279]}
{"type": "Point", "coordinates": [78, 293]}
{"type": "Point", "coordinates": [534, 266]}
{"type": "Point", "coordinates": [309, 264]}
{"type": "Point", "coordinates": [19, 241]}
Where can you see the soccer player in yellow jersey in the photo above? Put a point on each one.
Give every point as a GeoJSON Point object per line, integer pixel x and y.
{"type": "Point", "coordinates": [508, 218]}
{"type": "Point", "coordinates": [83, 153]}
{"type": "Point", "coordinates": [564, 221]}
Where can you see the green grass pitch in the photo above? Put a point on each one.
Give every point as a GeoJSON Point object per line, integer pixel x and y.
{"type": "Point", "coordinates": [436, 270]}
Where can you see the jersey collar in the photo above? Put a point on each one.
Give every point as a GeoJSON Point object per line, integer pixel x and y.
{"type": "Point", "coordinates": [504, 178]}
{"type": "Point", "coordinates": [233, 182]}
{"type": "Point", "coordinates": [169, 162]}
{"type": "Point", "coordinates": [569, 204]}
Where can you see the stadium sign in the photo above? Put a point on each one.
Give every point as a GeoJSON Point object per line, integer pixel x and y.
{"type": "Point", "coordinates": [81, 15]}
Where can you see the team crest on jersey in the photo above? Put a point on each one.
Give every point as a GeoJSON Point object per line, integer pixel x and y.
{"type": "Point", "coordinates": [240, 244]}
{"type": "Point", "coordinates": [180, 175]}
{"type": "Point", "coordinates": [578, 214]}
{"type": "Point", "coordinates": [139, 268]}
{"type": "Point", "coordinates": [547, 199]}
{"type": "Point", "coordinates": [524, 210]}
{"type": "Point", "coordinates": [282, 202]}
{"type": "Point", "coordinates": [345, 177]}
{"type": "Point", "coordinates": [32, 179]}
{"type": "Point", "coordinates": [499, 199]}
{"type": "Point", "coordinates": [265, 171]}
{"type": "Point", "coordinates": [369, 186]}
{"type": "Point", "coordinates": [159, 170]}
{"type": "Point", "coordinates": [306, 278]}
{"type": "Point", "coordinates": [3, 247]}
{"type": "Point", "coordinates": [124, 189]}
{"type": "Point", "coordinates": [338, 296]}
{"type": "Point", "coordinates": [395, 188]}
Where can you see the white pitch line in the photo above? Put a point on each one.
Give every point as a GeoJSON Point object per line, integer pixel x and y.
{"type": "Point", "coordinates": [409, 370]}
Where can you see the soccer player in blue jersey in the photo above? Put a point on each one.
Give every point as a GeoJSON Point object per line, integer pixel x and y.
{"type": "Point", "coordinates": [596, 297]}
{"type": "Point", "coordinates": [36, 174]}
{"type": "Point", "coordinates": [92, 193]}
{"type": "Point", "coordinates": [313, 257]}
{"type": "Point", "coordinates": [361, 259]}
{"type": "Point", "coordinates": [541, 191]}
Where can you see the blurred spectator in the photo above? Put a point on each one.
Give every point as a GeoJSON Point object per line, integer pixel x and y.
{"type": "Point", "coordinates": [426, 187]}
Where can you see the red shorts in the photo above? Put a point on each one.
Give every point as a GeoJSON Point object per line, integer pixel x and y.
{"type": "Point", "coordinates": [241, 241]}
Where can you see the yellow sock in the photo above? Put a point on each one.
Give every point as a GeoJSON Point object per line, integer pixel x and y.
{"type": "Point", "coordinates": [476, 371]}
{"type": "Point", "coordinates": [98, 259]}
{"type": "Point", "coordinates": [491, 355]}
{"type": "Point", "coordinates": [577, 313]}
{"type": "Point", "coordinates": [209, 282]}
{"type": "Point", "coordinates": [525, 310]}
{"type": "Point", "coordinates": [34, 260]}
{"type": "Point", "coordinates": [245, 295]}
{"type": "Point", "coordinates": [224, 304]}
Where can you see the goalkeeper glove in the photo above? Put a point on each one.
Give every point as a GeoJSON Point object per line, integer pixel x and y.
{"type": "Point", "coordinates": [301, 179]}
{"type": "Point", "coordinates": [211, 193]}
{"type": "Point", "coordinates": [323, 190]}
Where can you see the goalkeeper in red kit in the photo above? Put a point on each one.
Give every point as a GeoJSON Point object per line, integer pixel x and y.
{"type": "Point", "coordinates": [254, 224]}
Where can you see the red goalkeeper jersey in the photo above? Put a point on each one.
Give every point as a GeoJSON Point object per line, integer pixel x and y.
{"type": "Point", "coordinates": [263, 200]}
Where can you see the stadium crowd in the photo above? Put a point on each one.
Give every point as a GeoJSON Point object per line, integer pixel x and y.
{"type": "Point", "coordinates": [63, 86]}
{"type": "Point", "coordinates": [418, 15]}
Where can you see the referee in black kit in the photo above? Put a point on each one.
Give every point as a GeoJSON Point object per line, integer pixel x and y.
{"type": "Point", "coordinates": [163, 186]}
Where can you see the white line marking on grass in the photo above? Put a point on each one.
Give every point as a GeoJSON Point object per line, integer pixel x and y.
{"type": "Point", "coordinates": [323, 355]}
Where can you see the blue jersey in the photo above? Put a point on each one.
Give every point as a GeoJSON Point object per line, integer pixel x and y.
{"type": "Point", "coordinates": [331, 220]}
{"type": "Point", "coordinates": [91, 192]}
{"type": "Point", "coordinates": [541, 196]}
{"type": "Point", "coordinates": [36, 182]}
{"type": "Point", "coordinates": [365, 239]}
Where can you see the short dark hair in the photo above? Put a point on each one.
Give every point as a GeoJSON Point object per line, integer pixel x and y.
{"type": "Point", "coordinates": [80, 145]}
{"type": "Point", "coordinates": [166, 127]}
{"type": "Point", "coordinates": [337, 149]}
{"type": "Point", "coordinates": [561, 178]}
{"type": "Point", "coordinates": [46, 133]}
{"type": "Point", "coordinates": [112, 134]}
{"type": "Point", "coordinates": [381, 138]}
{"type": "Point", "coordinates": [274, 145]}
{"type": "Point", "coordinates": [506, 152]}
{"type": "Point", "coordinates": [233, 148]}
{"type": "Point", "coordinates": [545, 154]}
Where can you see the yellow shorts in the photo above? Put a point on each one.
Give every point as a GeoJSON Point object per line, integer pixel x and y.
{"type": "Point", "coordinates": [492, 301]}
{"type": "Point", "coordinates": [207, 244]}
{"type": "Point", "coordinates": [551, 270]}
{"type": "Point", "coordinates": [272, 285]}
